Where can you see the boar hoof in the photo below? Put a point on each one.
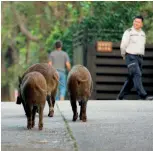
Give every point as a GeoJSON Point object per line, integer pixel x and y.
{"type": "Point", "coordinates": [33, 124]}
{"type": "Point", "coordinates": [29, 126]}
{"type": "Point", "coordinates": [51, 114]}
{"type": "Point", "coordinates": [75, 117]}
{"type": "Point", "coordinates": [40, 126]}
{"type": "Point", "coordinates": [84, 120]}
{"type": "Point", "coordinates": [18, 103]}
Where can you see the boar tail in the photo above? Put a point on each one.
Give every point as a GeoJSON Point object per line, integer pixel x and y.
{"type": "Point", "coordinates": [81, 80]}
{"type": "Point", "coordinates": [39, 87]}
{"type": "Point", "coordinates": [42, 90]}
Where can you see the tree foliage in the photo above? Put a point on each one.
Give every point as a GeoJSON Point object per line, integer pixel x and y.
{"type": "Point", "coordinates": [147, 12]}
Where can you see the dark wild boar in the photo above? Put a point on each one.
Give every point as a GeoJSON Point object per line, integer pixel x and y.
{"type": "Point", "coordinates": [33, 92]}
{"type": "Point", "coordinates": [79, 84]}
{"type": "Point", "coordinates": [51, 76]}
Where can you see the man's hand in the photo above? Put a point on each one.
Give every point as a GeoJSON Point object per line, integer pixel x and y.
{"type": "Point", "coordinates": [123, 55]}
{"type": "Point", "coordinates": [50, 63]}
{"type": "Point", "coordinates": [68, 66]}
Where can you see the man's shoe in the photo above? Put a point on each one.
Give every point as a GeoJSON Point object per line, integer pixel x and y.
{"type": "Point", "coordinates": [150, 98]}
{"type": "Point", "coordinates": [119, 98]}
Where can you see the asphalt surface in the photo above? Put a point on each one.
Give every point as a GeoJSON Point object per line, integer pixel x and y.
{"type": "Point", "coordinates": [111, 126]}
{"type": "Point", "coordinates": [16, 137]}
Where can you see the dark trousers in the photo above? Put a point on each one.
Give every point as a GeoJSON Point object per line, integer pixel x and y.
{"type": "Point", "coordinates": [134, 65]}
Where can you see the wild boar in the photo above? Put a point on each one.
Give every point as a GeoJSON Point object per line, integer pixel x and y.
{"type": "Point", "coordinates": [79, 84]}
{"type": "Point", "coordinates": [51, 76]}
{"type": "Point", "coordinates": [33, 92]}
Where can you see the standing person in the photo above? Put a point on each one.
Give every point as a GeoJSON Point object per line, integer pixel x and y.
{"type": "Point", "coordinates": [132, 50]}
{"type": "Point", "coordinates": [60, 60]}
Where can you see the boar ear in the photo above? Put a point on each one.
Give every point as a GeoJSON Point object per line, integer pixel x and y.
{"type": "Point", "coordinates": [20, 79]}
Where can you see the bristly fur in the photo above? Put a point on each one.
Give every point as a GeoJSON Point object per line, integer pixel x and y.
{"type": "Point", "coordinates": [79, 84]}
{"type": "Point", "coordinates": [51, 76]}
{"type": "Point", "coordinates": [33, 92]}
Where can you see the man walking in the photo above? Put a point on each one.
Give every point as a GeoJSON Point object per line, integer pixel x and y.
{"type": "Point", "coordinates": [133, 50]}
{"type": "Point", "coordinates": [60, 59]}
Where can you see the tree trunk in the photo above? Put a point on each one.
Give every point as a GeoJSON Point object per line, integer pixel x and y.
{"type": "Point", "coordinates": [22, 26]}
{"type": "Point", "coordinates": [7, 93]}
{"type": "Point", "coordinates": [27, 53]}
{"type": "Point", "coordinates": [10, 58]}
{"type": "Point", "coordinates": [43, 56]}
{"type": "Point", "coordinates": [11, 93]}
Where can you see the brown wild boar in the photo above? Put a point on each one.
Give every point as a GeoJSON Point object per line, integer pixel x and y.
{"type": "Point", "coordinates": [79, 84]}
{"type": "Point", "coordinates": [51, 76]}
{"type": "Point", "coordinates": [33, 92]}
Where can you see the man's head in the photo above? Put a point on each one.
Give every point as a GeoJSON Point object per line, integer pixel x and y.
{"type": "Point", "coordinates": [138, 22]}
{"type": "Point", "coordinates": [58, 44]}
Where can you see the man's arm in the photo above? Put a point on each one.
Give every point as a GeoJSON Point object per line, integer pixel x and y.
{"type": "Point", "coordinates": [50, 59]}
{"type": "Point", "coordinates": [67, 62]}
{"type": "Point", "coordinates": [124, 43]}
{"type": "Point", "coordinates": [68, 66]}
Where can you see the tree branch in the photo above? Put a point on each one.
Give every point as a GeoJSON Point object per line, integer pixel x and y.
{"type": "Point", "coordinates": [22, 27]}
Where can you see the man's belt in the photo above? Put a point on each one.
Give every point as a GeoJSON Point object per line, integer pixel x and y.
{"type": "Point", "coordinates": [139, 55]}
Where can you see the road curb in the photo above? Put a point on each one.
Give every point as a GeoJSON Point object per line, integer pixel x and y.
{"type": "Point", "coordinates": [68, 129]}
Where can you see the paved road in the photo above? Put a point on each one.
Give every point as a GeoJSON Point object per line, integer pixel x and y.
{"type": "Point", "coordinates": [16, 137]}
{"type": "Point", "coordinates": [111, 126]}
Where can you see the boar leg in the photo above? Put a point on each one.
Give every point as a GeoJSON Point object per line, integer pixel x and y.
{"type": "Point", "coordinates": [74, 108]}
{"type": "Point", "coordinates": [83, 111]}
{"type": "Point", "coordinates": [33, 115]}
{"type": "Point", "coordinates": [18, 100]}
{"type": "Point", "coordinates": [29, 116]}
{"type": "Point", "coordinates": [41, 108]}
{"type": "Point", "coordinates": [80, 103]}
{"type": "Point", "coordinates": [53, 103]}
{"type": "Point", "coordinates": [50, 104]}
{"type": "Point", "coordinates": [24, 107]}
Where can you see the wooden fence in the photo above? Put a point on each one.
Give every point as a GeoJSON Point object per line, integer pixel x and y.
{"type": "Point", "coordinates": [108, 69]}
{"type": "Point", "coordinates": [109, 72]}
